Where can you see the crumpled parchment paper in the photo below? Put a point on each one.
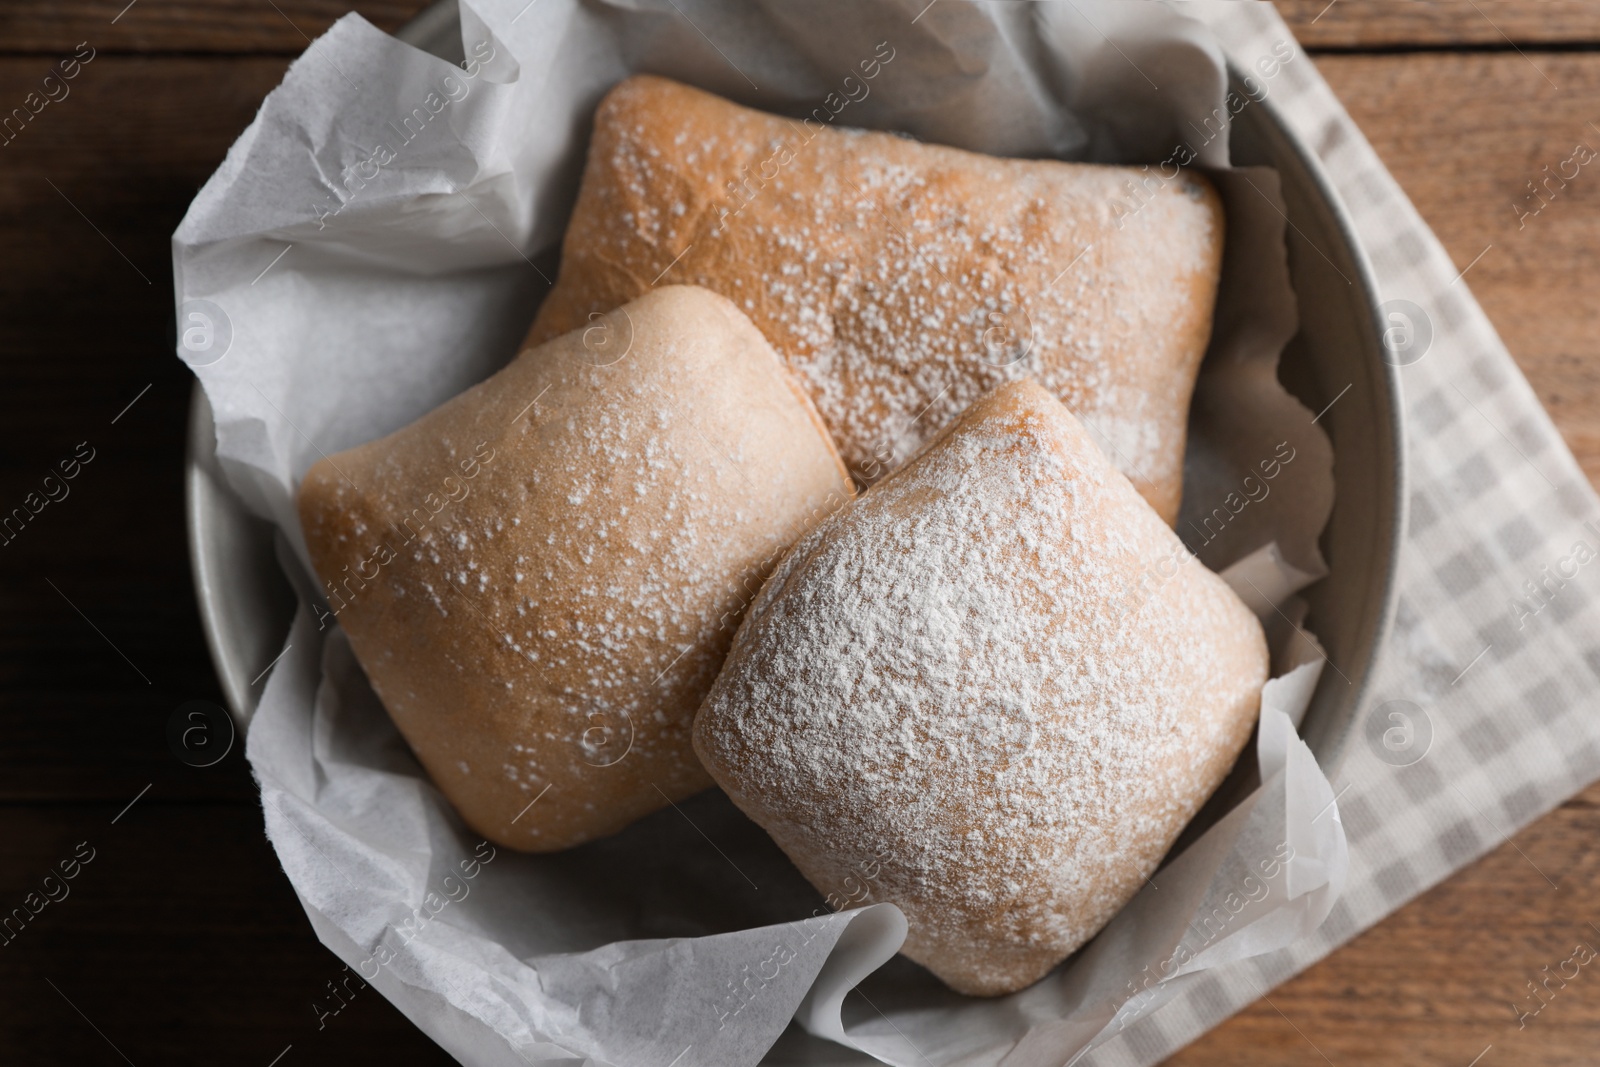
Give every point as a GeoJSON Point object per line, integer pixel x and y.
{"type": "Point", "coordinates": [373, 245]}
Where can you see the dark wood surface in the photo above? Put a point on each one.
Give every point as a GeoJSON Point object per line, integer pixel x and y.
{"type": "Point", "coordinates": [182, 943]}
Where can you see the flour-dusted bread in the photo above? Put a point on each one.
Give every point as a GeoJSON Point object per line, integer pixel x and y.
{"type": "Point", "coordinates": [541, 577]}
{"type": "Point", "coordinates": [901, 280]}
{"type": "Point", "coordinates": [974, 693]}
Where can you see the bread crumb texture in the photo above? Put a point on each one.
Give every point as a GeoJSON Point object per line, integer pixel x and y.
{"type": "Point", "coordinates": [542, 576]}
{"type": "Point", "coordinates": [966, 694]}
{"type": "Point", "coordinates": [902, 280]}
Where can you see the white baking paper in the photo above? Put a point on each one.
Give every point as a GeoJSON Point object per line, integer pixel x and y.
{"type": "Point", "coordinates": [378, 240]}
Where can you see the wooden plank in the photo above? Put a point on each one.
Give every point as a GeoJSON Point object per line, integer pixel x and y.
{"type": "Point", "coordinates": [1491, 126]}
{"type": "Point", "coordinates": [180, 940]}
{"type": "Point", "coordinates": [1435, 983]}
{"type": "Point", "coordinates": [1358, 24]}
{"type": "Point", "coordinates": [85, 333]}
{"type": "Point", "coordinates": [52, 29]}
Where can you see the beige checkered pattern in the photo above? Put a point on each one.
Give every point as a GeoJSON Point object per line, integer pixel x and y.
{"type": "Point", "coordinates": [1495, 497]}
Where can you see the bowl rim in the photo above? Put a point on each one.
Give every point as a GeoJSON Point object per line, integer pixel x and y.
{"type": "Point", "coordinates": [1389, 381]}
{"type": "Point", "coordinates": [205, 488]}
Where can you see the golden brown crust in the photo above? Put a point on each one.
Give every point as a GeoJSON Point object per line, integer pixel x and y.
{"type": "Point", "coordinates": [903, 280]}
{"type": "Point", "coordinates": [991, 691]}
{"type": "Point", "coordinates": [541, 576]}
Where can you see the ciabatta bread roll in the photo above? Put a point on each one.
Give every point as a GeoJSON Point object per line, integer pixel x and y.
{"type": "Point", "coordinates": [902, 280]}
{"type": "Point", "coordinates": [971, 693]}
{"type": "Point", "coordinates": [541, 577]}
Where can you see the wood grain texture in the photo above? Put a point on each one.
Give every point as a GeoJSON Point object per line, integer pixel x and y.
{"type": "Point", "coordinates": [48, 27]}
{"type": "Point", "coordinates": [90, 192]}
{"type": "Point", "coordinates": [51, 28]}
{"type": "Point", "coordinates": [1435, 983]}
{"type": "Point", "coordinates": [1367, 24]}
{"type": "Point", "coordinates": [1492, 125]}
{"type": "Point", "coordinates": [180, 942]}
{"type": "Point", "coordinates": [183, 942]}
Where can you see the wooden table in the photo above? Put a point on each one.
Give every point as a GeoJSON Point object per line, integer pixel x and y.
{"type": "Point", "coordinates": [180, 942]}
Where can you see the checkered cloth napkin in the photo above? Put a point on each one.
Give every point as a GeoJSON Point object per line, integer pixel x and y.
{"type": "Point", "coordinates": [1476, 723]}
